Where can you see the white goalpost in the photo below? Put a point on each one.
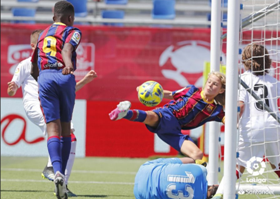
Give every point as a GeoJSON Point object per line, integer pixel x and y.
{"type": "Point", "coordinates": [258, 22]}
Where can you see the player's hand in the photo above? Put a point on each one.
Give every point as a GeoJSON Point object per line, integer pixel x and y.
{"type": "Point", "coordinates": [91, 75]}
{"type": "Point", "coordinates": [12, 88]}
{"type": "Point", "coordinates": [137, 88]}
{"type": "Point", "coordinates": [68, 70]}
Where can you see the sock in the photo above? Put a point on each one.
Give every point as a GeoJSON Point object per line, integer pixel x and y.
{"type": "Point", "coordinates": [65, 150]}
{"type": "Point", "coordinates": [55, 152]}
{"type": "Point", "coordinates": [49, 164]}
{"type": "Point", "coordinates": [221, 185]}
{"type": "Point", "coordinates": [136, 115]}
{"type": "Point", "coordinates": [238, 174]}
{"type": "Point", "coordinates": [71, 158]}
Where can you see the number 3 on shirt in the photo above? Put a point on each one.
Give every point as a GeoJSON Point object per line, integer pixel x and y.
{"type": "Point", "coordinates": [173, 193]}
{"type": "Point", "coordinates": [50, 45]}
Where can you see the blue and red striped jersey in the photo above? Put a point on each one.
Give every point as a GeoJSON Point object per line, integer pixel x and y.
{"type": "Point", "coordinates": [192, 110]}
{"type": "Point", "coordinates": [51, 42]}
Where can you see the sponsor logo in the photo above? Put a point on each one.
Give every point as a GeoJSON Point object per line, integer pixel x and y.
{"type": "Point", "coordinates": [183, 62]}
{"type": "Point", "coordinates": [189, 178]}
{"type": "Point", "coordinates": [256, 166]}
{"type": "Point", "coordinates": [17, 71]}
{"type": "Point", "coordinates": [55, 65]}
{"type": "Point", "coordinates": [17, 53]}
{"type": "Point", "coordinates": [256, 192]}
{"type": "Point", "coordinates": [209, 108]}
{"type": "Point", "coordinates": [85, 58]}
{"type": "Point", "coordinates": [7, 121]}
{"type": "Point", "coordinates": [76, 37]}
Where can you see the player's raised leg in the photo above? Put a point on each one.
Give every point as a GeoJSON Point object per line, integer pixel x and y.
{"type": "Point", "coordinates": [149, 118]}
{"type": "Point", "coordinates": [121, 110]}
{"type": "Point", "coordinates": [189, 148]}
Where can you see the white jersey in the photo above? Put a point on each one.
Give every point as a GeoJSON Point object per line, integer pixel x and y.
{"type": "Point", "coordinates": [23, 79]}
{"type": "Point", "coordinates": [31, 102]}
{"type": "Point", "coordinates": [256, 124]}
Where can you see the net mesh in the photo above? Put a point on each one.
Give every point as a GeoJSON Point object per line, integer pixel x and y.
{"type": "Point", "coordinates": [259, 146]}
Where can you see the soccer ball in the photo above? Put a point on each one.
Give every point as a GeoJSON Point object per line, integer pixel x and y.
{"type": "Point", "coordinates": [150, 93]}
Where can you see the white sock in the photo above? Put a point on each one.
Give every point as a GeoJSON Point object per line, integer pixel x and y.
{"type": "Point", "coordinates": [222, 183]}
{"type": "Point", "coordinates": [70, 161]}
{"type": "Point", "coordinates": [49, 162]}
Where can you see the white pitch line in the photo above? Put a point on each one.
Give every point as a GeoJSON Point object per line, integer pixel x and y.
{"type": "Point", "coordinates": [77, 182]}
{"type": "Point", "coordinates": [75, 171]}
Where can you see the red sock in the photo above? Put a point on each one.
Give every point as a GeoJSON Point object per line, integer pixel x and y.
{"type": "Point", "coordinates": [238, 174]}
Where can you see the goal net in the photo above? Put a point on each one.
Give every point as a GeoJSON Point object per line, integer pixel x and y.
{"type": "Point", "coordinates": [258, 147]}
{"type": "Point", "coordinates": [258, 143]}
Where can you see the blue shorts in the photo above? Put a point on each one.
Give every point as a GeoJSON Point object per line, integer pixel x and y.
{"type": "Point", "coordinates": [57, 95]}
{"type": "Point", "coordinates": [169, 129]}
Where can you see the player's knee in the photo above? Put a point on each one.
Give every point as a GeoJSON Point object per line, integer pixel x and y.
{"type": "Point", "coordinates": [197, 154]}
{"type": "Point", "coordinates": [152, 119]}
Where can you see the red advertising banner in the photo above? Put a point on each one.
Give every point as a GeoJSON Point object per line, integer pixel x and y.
{"type": "Point", "coordinates": [124, 58]}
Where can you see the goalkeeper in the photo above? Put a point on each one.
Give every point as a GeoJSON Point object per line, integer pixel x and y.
{"type": "Point", "coordinates": [172, 178]}
{"type": "Point", "coordinates": [259, 131]}
{"type": "Point", "coordinates": [190, 107]}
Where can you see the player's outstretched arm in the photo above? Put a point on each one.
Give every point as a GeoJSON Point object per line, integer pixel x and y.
{"type": "Point", "coordinates": [91, 75]}
{"type": "Point", "coordinates": [66, 56]}
{"type": "Point", "coordinates": [12, 88]}
{"type": "Point", "coordinates": [34, 65]}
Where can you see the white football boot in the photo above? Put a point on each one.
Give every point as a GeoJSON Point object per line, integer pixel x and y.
{"type": "Point", "coordinates": [120, 111]}
{"type": "Point", "coordinates": [60, 187]}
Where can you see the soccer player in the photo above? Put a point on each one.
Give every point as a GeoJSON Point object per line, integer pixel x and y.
{"type": "Point", "coordinates": [55, 59]}
{"type": "Point", "coordinates": [259, 131]}
{"type": "Point", "coordinates": [191, 107]}
{"type": "Point", "coordinates": [166, 178]}
{"type": "Point", "coordinates": [31, 104]}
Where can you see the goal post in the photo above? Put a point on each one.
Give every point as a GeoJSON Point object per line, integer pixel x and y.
{"type": "Point", "coordinates": [231, 98]}
{"type": "Point", "coordinates": [215, 54]}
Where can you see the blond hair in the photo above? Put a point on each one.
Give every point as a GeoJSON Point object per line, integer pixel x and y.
{"type": "Point", "coordinates": [220, 98]}
{"type": "Point", "coordinates": [34, 36]}
{"type": "Point", "coordinates": [255, 57]}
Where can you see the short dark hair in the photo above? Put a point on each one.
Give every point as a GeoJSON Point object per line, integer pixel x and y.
{"type": "Point", "coordinates": [62, 8]}
{"type": "Point", "coordinates": [255, 57]}
{"type": "Point", "coordinates": [212, 191]}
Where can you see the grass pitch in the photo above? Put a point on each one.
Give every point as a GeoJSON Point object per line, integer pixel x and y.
{"type": "Point", "coordinates": [110, 178]}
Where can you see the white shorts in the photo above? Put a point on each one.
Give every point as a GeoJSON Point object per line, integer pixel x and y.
{"type": "Point", "coordinates": [269, 149]}
{"type": "Point", "coordinates": [35, 115]}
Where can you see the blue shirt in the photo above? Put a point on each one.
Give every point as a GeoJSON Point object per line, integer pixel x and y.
{"type": "Point", "coordinates": [170, 178]}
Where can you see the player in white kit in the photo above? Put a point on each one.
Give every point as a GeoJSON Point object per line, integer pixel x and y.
{"type": "Point", "coordinates": [259, 131]}
{"type": "Point", "coordinates": [31, 104]}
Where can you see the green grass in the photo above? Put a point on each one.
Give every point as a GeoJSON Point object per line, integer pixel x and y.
{"type": "Point", "coordinates": [110, 178]}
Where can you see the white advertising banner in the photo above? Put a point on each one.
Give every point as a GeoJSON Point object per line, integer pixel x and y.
{"type": "Point", "coordinates": [20, 137]}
